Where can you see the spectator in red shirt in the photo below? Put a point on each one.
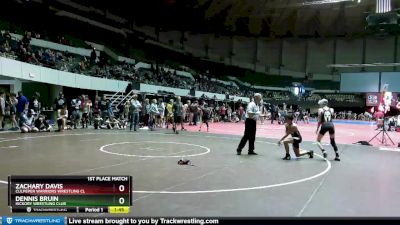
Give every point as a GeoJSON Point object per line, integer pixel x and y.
{"type": "Point", "coordinates": [222, 113]}
{"type": "Point", "coordinates": [241, 112]}
{"type": "Point", "coordinates": [379, 116]}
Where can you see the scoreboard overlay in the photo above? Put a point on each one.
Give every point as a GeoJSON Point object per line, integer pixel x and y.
{"type": "Point", "coordinates": [75, 194]}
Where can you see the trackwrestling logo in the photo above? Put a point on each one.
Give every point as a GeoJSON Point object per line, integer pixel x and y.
{"type": "Point", "coordinates": [25, 220]}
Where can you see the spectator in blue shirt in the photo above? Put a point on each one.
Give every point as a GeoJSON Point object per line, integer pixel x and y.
{"type": "Point", "coordinates": [22, 103]}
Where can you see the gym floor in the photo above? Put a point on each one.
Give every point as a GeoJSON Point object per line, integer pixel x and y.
{"type": "Point", "coordinates": [219, 183]}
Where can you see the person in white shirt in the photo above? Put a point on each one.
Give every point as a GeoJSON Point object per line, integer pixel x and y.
{"type": "Point", "coordinates": [134, 110]}
{"type": "Point", "coordinates": [76, 106]}
{"type": "Point", "coordinates": [161, 110]}
{"type": "Point", "coordinates": [27, 122]}
{"type": "Point", "coordinates": [252, 114]}
{"type": "Point", "coordinates": [153, 112]}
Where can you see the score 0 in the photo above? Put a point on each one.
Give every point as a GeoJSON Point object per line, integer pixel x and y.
{"type": "Point", "coordinates": [121, 200]}
{"type": "Point", "coordinates": [121, 188]}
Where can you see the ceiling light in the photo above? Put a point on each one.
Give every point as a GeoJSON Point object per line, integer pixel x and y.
{"type": "Point", "coordinates": [320, 2]}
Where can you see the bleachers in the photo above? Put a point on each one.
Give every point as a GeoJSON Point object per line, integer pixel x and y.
{"type": "Point", "coordinates": [105, 68]}
{"type": "Point", "coordinates": [159, 75]}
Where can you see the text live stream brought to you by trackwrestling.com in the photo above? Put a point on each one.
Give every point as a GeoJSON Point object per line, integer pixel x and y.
{"type": "Point", "coordinates": [59, 220]}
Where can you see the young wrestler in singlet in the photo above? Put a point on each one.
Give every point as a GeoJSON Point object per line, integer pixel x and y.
{"type": "Point", "coordinates": [295, 139]}
{"type": "Point", "coordinates": [325, 116]}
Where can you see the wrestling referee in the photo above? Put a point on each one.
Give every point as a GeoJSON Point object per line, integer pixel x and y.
{"type": "Point", "coordinates": [252, 113]}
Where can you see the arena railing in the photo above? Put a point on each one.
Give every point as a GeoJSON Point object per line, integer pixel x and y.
{"type": "Point", "coordinates": [20, 70]}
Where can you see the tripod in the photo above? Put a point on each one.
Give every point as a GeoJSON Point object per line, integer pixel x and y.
{"type": "Point", "coordinates": [384, 136]}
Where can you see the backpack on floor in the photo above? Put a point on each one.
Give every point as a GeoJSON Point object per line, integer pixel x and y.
{"type": "Point", "coordinates": [184, 162]}
{"type": "Point", "coordinates": [363, 143]}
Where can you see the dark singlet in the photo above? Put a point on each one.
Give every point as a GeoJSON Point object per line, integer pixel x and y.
{"type": "Point", "coordinates": [326, 116]}
{"type": "Point", "coordinates": [296, 138]}
{"type": "Point", "coordinates": [326, 121]}
{"type": "Point", "coordinates": [296, 134]}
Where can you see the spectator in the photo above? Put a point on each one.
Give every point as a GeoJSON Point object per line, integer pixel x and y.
{"type": "Point", "coordinates": [103, 107]}
{"type": "Point", "coordinates": [187, 116]}
{"type": "Point", "coordinates": [170, 113]}
{"type": "Point", "coordinates": [41, 124]}
{"type": "Point", "coordinates": [27, 122]}
{"type": "Point", "coordinates": [5, 47]}
{"type": "Point", "coordinates": [93, 56]}
{"type": "Point", "coordinates": [223, 112]}
{"type": "Point", "coordinates": [135, 108]}
{"type": "Point", "coordinates": [121, 109]}
{"type": "Point", "coordinates": [241, 112]}
{"type": "Point", "coordinates": [59, 102]}
{"type": "Point", "coordinates": [22, 104]}
{"type": "Point", "coordinates": [96, 106]}
{"type": "Point", "coordinates": [13, 102]}
{"type": "Point", "coordinates": [177, 109]}
{"type": "Point", "coordinates": [34, 103]}
{"type": "Point", "coordinates": [161, 110]}
{"type": "Point", "coordinates": [97, 121]}
{"type": "Point", "coordinates": [76, 107]}
{"type": "Point", "coordinates": [26, 40]}
{"type": "Point", "coordinates": [194, 108]}
{"type": "Point", "coordinates": [2, 110]}
{"type": "Point", "coordinates": [146, 111]}
{"type": "Point", "coordinates": [127, 106]}
{"type": "Point", "coordinates": [153, 112]}
{"type": "Point", "coordinates": [82, 65]}
{"type": "Point", "coordinates": [85, 110]}
{"type": "Point", "coordinates": [109, 108]}
{"type": "Point", "coordinates": [62, 116]}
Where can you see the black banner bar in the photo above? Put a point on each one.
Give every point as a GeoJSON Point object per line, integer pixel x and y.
{"type": "Point", "coordinates": [67, 179]}
{"type": "Point", "coordinates": [223, 221]}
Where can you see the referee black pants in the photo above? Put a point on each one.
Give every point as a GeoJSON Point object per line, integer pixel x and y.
{"type": "Point", "coordinates": [249, 135]}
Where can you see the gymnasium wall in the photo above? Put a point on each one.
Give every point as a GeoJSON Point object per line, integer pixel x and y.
{"type": "Point", "coordinates": [294, 56]}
